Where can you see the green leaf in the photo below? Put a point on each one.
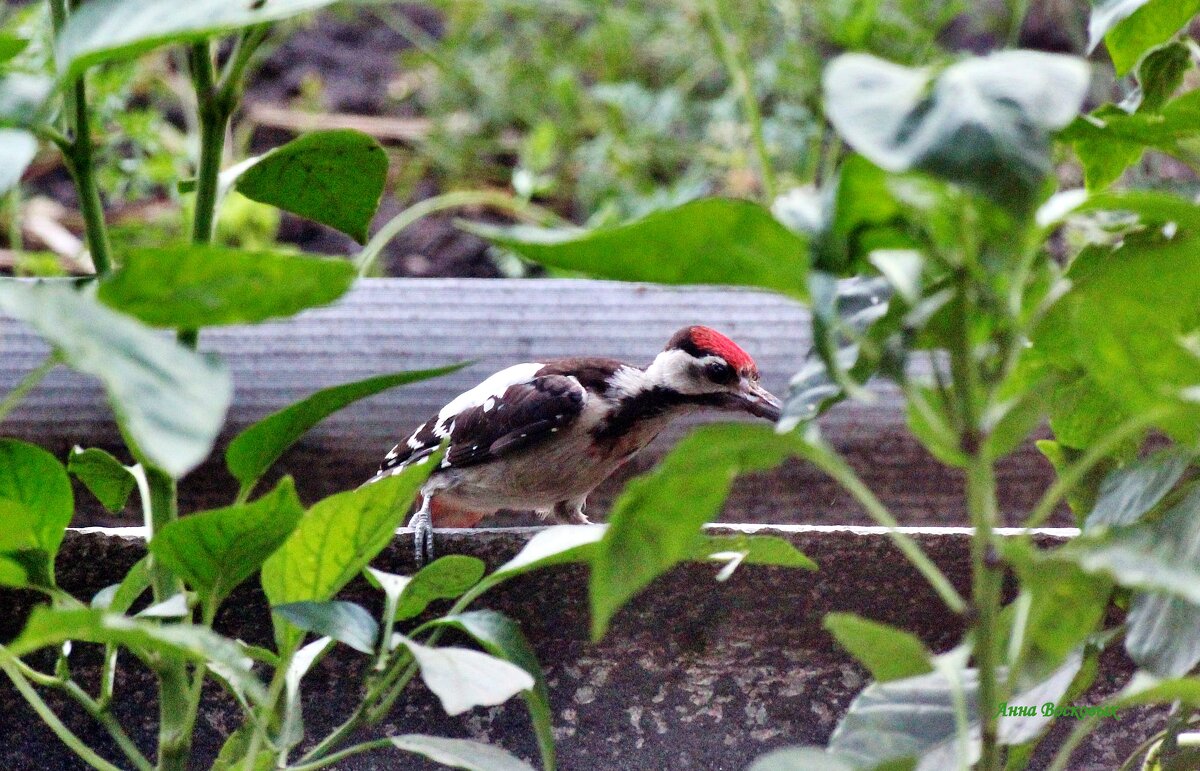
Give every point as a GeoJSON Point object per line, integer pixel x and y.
{"type": "Point", "coordinates": [462, 678]}
{"type": "Point", "coordinates": [36, 504]}
{"type": "Point", "coordinates": [802, 759]}
{"type": "Point", "coordinates": [171, 401]}
{"type": "Point", "coordinates": [889, 653]}
{"type": "Point", "coordinates": [1157, 556]}
{"type": "Point", "coordinates": [17, 149]}
{"type": "Point", "coordinates": [981, 123]}
{"type": "Point", "coordinates": [100, 30]}
{"type": "Point", "coordinates": [752, 550]}
{"type": "Point", "coordinates": [253, 451]}
{"type": "Point", "coordinates": [47, 627]}
{"type": "Point", "coordinates": [1159, 76]}
{"type": "Point", "coordinates": [1126, 322]}
{"type": "Point", "coordinates": [11, 46]}
{"type": "Point", "coordinates": [1163, 634]}
{"type": "Point", "coordinates": [23, 95]}
{"type": "Point", "coordinates": [345, 622]}
{"type": "Point", "coordinates": [292, 731]}
{"type": "Point", "coordinates": [709, 241]}
{"type": "Point", "coordinates": [500, 636]}
{"type": "Point", "coordinates": [215, 551]}
{"type": "Point", "coordinates": [119, 598]}
{"type": "Point", "coordinates": [206, 286]}
{"type": "Point", "coordinates": [443, 579]}
{"type": "Point", "coordinates": [915, 718]}
{"type": "Point", "coordinates": [1131, 27]}
{"type": "Point", "coordinates": [332, 177]}
{"type": "Point", "coordinates": [1066, 605]}
{"type": "Point", "coordinates": [338, 536]}
{"type": "Point", "coordinates": [107, 478]}
{"type": "Point", "coordinates": [556, 545]}
{"type": "Point", "coordinates": [1128, 493]}
{"type": "Point", "coordinates": [657, 520]}
{"type": "Point", "coordinates": [460, 753]}
{"type": "Point", "coordinates": [1147, 689]}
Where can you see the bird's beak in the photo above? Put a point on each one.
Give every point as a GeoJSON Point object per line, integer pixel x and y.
{"type": "Point", "coordinates": [758, 401]}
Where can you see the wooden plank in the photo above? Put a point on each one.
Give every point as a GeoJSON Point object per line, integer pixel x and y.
{"type": "Point", "coordinates": [385, 325]}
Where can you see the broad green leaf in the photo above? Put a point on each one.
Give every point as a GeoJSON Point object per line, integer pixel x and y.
{"type": "Point", "coordinates": [462, 678]}
{"type": "Point", "coordinates": [556, 545]}
{"type": "Point", "coordinates": [1159, 556]}
{"type": "Point", "coordinates": [104, 475]}
{"type": "Point", "coordinates": [861, 216]}
{"type": "Point", "coordinates": [215, 551]}
{"type": "Point", "coordinates": [889, 653]}
{"type": "Point", "coordinates": [657, 520]}
{"type": "Point", "coordinates": [915, 718]}
{"type": "Point", "coordinates": [17, 149]}
{"type": "Point", "coordinates": [1129, 492]}
{"type": "Point", "coordinates": [171, 401]}
{"type": "Point", "coordinates": [1159, 76]}
{"type": "Point", "coordinates": [47, 627]}
{"type": "Point", "coordinates": [36, 504]}
{"type": "Point", "coordinates": [1163, 634]}
{"type": "Point", "coordinates": [500, 636]}
{"type": "Point", "coordinates": [1066, 605]}
{"type": "Point", "coordinates": [338, 536]}
{"type": "Point", "coordinates": [343, 621]}
{"type": "Point", "coordinates": [981, 123]}
{"type": "Point", "coordinates": [752, 550]}
{"type": "Point", "coordinates": [1126, 322]}
{"type": "Point", "coordinates": [802, 759]}
{"type": "Point", "coordinates": [100, 30]}
{"type": "Point", "coordinates": [709, 241]}
{"type": "Point", "coordinates": [253, 451]}
{"type": "Point", "coordinates": [1109, 139]}
{"type": "Point", "coordinates": [443, 579]}
{"type": "Point", "coordinates": [332, 177]}
{"type": "Point", "coordinates": [1129, 28]}
{"type": "Point", "coordinates": [843, 311]}
{"type": "Point", "coordinates": [205, 286]}
{"type": "Point", "coordinates": [460, 753]}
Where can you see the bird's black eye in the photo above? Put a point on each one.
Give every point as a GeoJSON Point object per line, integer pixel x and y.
{"type": "Point", "coordinates": [719, 372]}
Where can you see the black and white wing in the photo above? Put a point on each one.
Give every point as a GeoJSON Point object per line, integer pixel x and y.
{"type": "Point", "coordinates": [513, 409]}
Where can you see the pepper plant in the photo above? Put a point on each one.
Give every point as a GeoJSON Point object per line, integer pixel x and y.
{"type": "Point", "coordinates": [170, 400]}
{"type": "Point", "coordinates": [942, 256]}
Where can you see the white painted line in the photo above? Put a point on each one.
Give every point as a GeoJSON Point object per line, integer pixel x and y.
{"type": "Point", "coordinates": [1057, 532]}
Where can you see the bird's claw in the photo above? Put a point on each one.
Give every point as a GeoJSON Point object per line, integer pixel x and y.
{"type": "Point", "coordinates": [422, 525]}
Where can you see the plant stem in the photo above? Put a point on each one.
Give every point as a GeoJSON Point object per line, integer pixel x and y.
{"type": "Point", "coordinates": [985, 602]}
{"type": "Point", "coordinates": [214, 119]}
{"type": "Point", "coordinates": [94, 708]}
{"type": "Point", "coordinates": [453, 200]}
{"type": "Point", "coordinates": [27, 384]}
{"type": "Point", "coordinates": [81, 166]}
{"type": "Point", "coordinates": [730, 48]}
{"type": "Point", "coordinates": [824, 458]}
{"type": "Point", "coordinates": [329, 760]}
{"type": "Point", "coordinates": [10, 668]}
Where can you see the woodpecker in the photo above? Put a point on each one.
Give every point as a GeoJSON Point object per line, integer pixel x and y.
{"type": "Point", "coordinates": [541, 436]}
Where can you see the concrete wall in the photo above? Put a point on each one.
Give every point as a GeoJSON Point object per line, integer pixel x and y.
{"type": "Point", "coordinates": [392, 324]}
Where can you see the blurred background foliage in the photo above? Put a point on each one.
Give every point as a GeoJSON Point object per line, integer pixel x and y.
{"type": "Point", "coordinates": [598, 111]}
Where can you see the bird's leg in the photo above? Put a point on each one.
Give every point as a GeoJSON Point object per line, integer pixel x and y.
{"type": "Point", "coordinates": [571, 512]}
{"type": "Point", "coordinates": [422, 525]}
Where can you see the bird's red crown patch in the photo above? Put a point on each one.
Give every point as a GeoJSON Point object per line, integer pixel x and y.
{"type": "Point", "coordinates": [708, 339]}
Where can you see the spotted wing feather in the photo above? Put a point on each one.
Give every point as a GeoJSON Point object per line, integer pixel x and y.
{"type": "Point", "coordinates": [523, 415]}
